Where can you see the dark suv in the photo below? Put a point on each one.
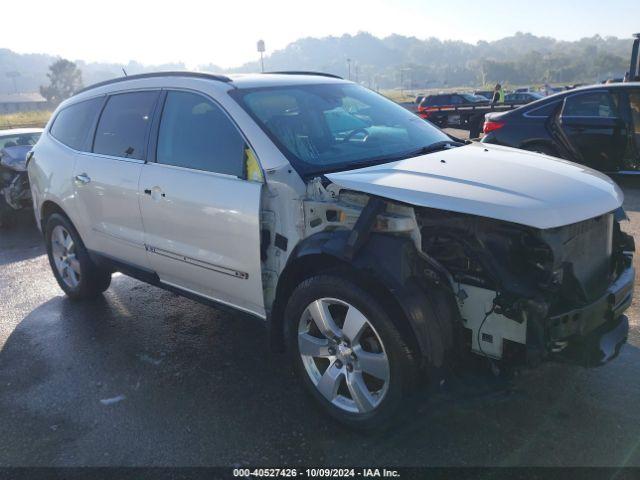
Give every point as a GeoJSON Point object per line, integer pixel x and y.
{"type": "Point", "coordinates": [428, 111]}
{"type": "Point", "coordinates": [597, 126]}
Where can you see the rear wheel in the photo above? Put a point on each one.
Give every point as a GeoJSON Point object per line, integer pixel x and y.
{"type": "Point", "coordinates": [349, 354]}
{"type": "Point", "coordinates": [74, 270]}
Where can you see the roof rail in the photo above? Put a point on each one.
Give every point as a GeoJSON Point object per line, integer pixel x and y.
{"type": "Point", "coordinates": [302, 72]}
{"type": "Point", "coordinates": [209, 76]}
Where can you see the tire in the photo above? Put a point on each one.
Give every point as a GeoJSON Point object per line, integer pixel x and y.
{"type": "Point", "coordinates": [74, 270]}
{"type": "Point", "coordinates": [347, 377]}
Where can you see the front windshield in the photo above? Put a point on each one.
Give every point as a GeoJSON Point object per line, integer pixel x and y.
{"type": "Point", "coordinates": [330, 127]}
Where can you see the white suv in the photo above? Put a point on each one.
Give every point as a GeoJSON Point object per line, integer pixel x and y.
{"type": "Point", "coordinates": [379, 250]}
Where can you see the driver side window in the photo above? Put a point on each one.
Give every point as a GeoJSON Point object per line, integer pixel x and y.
{"type": "Point", "coordinates": [195, 133]}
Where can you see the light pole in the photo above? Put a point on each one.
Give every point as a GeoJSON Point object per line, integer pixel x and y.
{"type": "Point", "coordinates": [261, 49]}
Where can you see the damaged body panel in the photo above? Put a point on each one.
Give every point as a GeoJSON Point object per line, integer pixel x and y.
{"type": "Point", "coordinates": [522, 293]}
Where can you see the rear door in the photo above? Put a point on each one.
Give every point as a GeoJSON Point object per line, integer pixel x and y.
{"type": "Point", "coordinates": [106, 178]}
{"type": "Point", "coordinates": [631, 102]}
{"type": "Point", "coordinates": [591, 125]}
{"type": "Point", "coordinates": [200, 213]}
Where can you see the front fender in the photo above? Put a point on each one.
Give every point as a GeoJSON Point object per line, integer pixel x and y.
{"type": "Point", "coordinates": [394, 263]}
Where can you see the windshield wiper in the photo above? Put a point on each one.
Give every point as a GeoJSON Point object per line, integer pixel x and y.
{"type": "Point", "coordinates": [434, 147]}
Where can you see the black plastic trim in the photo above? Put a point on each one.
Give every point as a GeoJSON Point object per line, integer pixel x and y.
{"type": "Point", "coordinates": [152, 278]}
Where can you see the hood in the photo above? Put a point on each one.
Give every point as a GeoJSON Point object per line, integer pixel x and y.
{"type": "Point", "coordinates": [491, 181]}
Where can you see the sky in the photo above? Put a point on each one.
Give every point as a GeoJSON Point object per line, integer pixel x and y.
{"type": "Point", "coordinates": [225, 32]}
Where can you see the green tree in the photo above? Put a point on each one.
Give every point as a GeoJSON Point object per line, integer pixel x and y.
{"type": "Point", "coordinates": [64, 80]}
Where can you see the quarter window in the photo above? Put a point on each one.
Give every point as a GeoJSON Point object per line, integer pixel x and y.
{"type": "Point", "coordinates": [73, 123]}
{"type": "Point", "coordinates": [196, 133]}
{"type": "Point", "coordinates": [124, 124]}
{"type": "Point", "coordinates": [593, 104]}
{"type": "Point", "coordinates": [544, 110]}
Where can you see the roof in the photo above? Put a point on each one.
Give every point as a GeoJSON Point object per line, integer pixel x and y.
{"type": "Point", "coordinates": [605, 85]}
{"type": "Point", "coordinates": [19, 131]}
{"type": "Point", "coordinates": [21, 98]}
{"type": "Point", "coordinates": [255, 80]}
{"type": "Point", "coordinates": [244, 80]}
{"type": "Point", "coordinates": [209, 76]}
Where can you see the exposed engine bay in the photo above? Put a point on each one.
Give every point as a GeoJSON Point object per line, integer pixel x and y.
{"type": "Point", "coordinates": [523, 293]}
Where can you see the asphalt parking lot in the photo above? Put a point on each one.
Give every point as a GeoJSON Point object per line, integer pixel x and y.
{"type": "Point", "coordinates": [144, 377]}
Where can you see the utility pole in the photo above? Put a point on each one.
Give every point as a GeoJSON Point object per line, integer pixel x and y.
{"type": "Point", "coordinates": [261, 49]}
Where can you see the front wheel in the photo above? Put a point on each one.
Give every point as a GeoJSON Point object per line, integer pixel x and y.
{"type": "Point", "coordinates": [74, 270]}
{"type": "Point", "coordinates": [349, 354]}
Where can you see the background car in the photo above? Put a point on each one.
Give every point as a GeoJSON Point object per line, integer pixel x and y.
{"type": "Point", "coordinates": [14, 184]}
{"type": "Point", "coordinates": [488, 94]}
{"type": "Point", "coordinates": [426, 111]}
{"type": "Point", "coordinates": [522, 97]}
{"type": "Point", "coordinates": [598, 126]}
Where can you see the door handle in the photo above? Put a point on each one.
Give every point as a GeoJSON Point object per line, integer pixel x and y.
{"type": "Point", "coordinates": [82, 178]}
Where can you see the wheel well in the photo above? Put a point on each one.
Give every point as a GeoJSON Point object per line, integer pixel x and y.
{"type": "Point", "coordinates": [310, 265]}
{"type": "Point", "coordinates": [48, 208]}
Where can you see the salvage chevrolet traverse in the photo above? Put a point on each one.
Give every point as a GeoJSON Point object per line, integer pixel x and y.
{"type": "Point", "coordinates": [380, 251]}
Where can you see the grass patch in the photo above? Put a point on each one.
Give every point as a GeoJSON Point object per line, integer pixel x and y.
{"type": "Point", "coordinates": [24, 119]}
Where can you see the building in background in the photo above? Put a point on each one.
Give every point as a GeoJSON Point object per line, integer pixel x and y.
{"type": "Point", "coordinates": [21, 102]}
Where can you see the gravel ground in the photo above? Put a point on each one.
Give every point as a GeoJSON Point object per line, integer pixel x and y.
{"type": "Point", "coordinates": [143, 377]}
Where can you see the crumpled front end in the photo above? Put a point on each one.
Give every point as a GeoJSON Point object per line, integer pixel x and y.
{"type": "Point", "coordinates": [528, 294]}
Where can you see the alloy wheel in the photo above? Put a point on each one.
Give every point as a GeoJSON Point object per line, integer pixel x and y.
{"type": "Point", "coordinates": [343, 355]}
{"type": "Point", "coordinates": [63, 250]}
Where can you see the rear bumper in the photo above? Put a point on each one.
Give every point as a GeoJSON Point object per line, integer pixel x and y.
{"type": "Point", "coordinates": [596, 332]}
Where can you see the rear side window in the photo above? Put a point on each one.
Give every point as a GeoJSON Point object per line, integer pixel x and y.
{"type": "Point", "coordinates": [593, 104]}
{"type": "Point", "coordinates": [196, 133]}
{"type": "Point", "coordinates": [72, 124]}
{"type": "Point", "coordinates": [124, 124]}
{"type": "Point", "coordinates": [544, 110]}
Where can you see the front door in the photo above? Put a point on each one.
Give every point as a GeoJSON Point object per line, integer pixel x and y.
{"type": "Point", "coordinates": [593, 129]}
{"type": "Point", "coordinates": [200, 214]}
{"type": "Point", "coordinates": [106, 179]}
